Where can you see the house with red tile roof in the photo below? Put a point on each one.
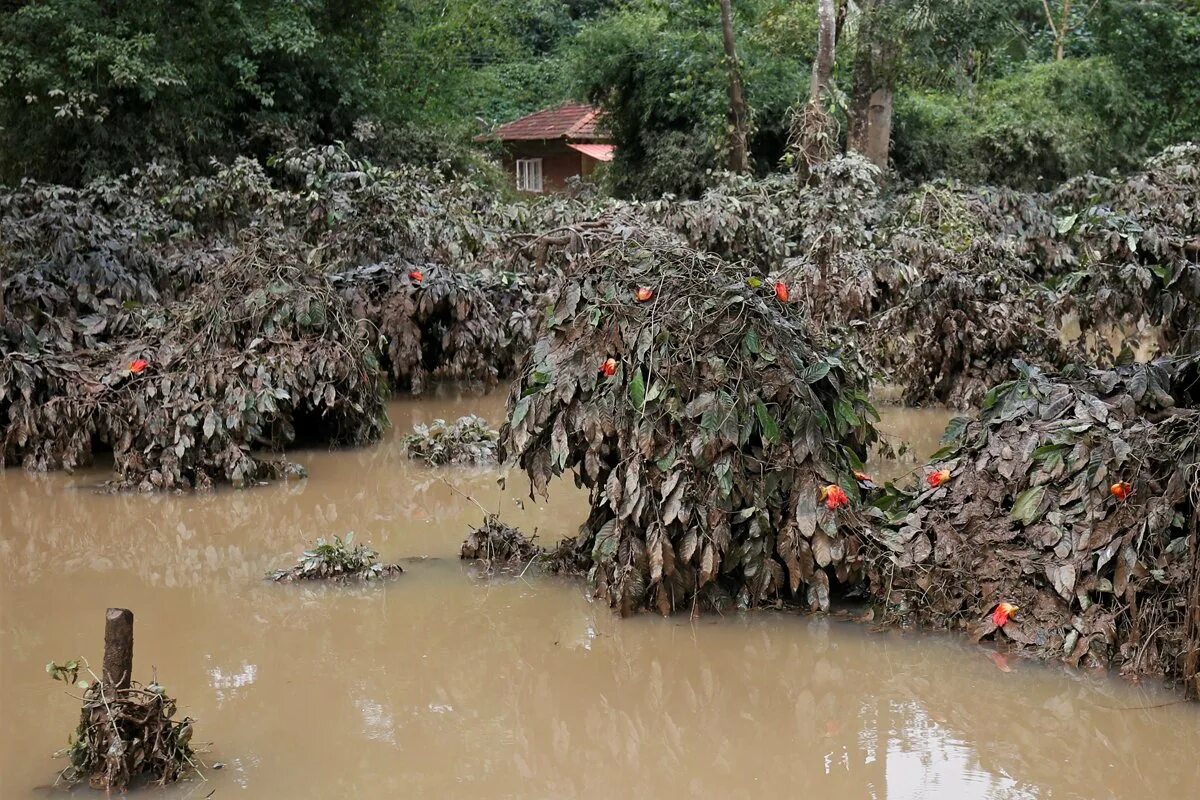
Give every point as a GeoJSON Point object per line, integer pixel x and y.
{"type": "Point", "coordinates": [545, 149]}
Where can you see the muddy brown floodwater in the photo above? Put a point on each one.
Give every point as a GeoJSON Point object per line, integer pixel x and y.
{"type": "Point", "coordinates": [445, 685]}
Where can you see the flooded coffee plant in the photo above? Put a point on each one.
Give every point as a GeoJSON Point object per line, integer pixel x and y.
{"type": "Point", "coordinates": [809, 482]}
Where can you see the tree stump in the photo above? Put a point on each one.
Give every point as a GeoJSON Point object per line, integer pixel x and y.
{"type": "Point", "coordinates": [118, 648]}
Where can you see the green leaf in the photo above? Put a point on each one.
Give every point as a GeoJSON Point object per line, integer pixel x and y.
{"type": "Point", "coordinates": [954, 430]}
{"type": "Point", "coordinates": [751, 342]}
{"type": "Point", "coordinates": [770, 428]}
{"type": "Point", "coordinates": [1026, 509]}
{"type": "Point", "coordinates": [993, 396]}
{"type": "Point", "coordinates": [637, 391]}
{"type": "Point", "coordinates": [605, 546]}
{"type": "Point", "coordinates": [655, 392]}
{"type": "Point", "coordinates": [814, 372]}
{"type": "Point", "coordinates": [944, 452]}
{"type": "Point", "coordinates": [519, 412]}
{"type": "Point", "coordinates": [845, 413]}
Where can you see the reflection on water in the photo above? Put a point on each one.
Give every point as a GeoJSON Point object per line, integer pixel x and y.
{"type": "Point", "coordinates": [443, 684]}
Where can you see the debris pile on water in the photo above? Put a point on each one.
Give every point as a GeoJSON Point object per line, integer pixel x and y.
{"type": "Point", "coordinates": [337, 559]}
{"type": "Point", "coordinates": [496, 543]}
{"type": "Point", "coordinates": [124, 733]}
{"type": "Point", "coordinates": [469, 440]}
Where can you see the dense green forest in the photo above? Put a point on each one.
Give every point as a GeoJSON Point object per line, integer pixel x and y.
{"type": "Point", "coordinates": [1023, 92]}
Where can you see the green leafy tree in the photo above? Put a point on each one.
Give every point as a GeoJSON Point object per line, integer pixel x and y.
{"type": "Point", "coordinates": [91, 87]}
{"type": "Point", "coordinates": [658, 68]}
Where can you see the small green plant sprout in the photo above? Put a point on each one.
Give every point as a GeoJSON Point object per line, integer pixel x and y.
{"type": "Point", "coordinates": [68, 672]}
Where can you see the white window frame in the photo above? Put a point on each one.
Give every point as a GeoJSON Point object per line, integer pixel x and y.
{"type": "Point", "coordinates": [529, 175]}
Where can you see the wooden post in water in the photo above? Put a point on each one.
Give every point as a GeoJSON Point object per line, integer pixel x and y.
{"type": "Point", "coordinates": [118, 648]}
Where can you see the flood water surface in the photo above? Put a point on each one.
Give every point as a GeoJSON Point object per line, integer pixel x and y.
{"type": "Point", "coordinates": [446, 684]}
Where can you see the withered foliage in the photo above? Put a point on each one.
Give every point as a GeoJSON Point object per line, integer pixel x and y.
{"type": "Point", "coordinates": [339, 560]}
{"type": "Point", "coordinates": [495, 543]}
{"type": "Point", "coordinates": [269, 305]}
{"type": "Point", "coordinates": [1037, 513]}
{"type": "Point", "coordinates": [468, 440]}
{"type": "Point", "coordinates": [446, 325]}
{"type": "Point", "coordinates": [962, 317]}
{"type": "Point", "coordinates": [990, 275]}
{"type": "Point", "coordinates": [705, 440]}
{"type": "Point", "coordinates": [951, 283]}
{"type": "Point", "coordinates": [1135, 243]}
{"type": "Point", "coordinates": [125, 734]}
{"type": "Point", "coordinates": [259, 353]}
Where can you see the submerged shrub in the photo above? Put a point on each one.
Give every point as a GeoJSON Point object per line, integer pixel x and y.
{"type": "Point", "coordinates": [961, 318]}
{"type": "Point", "coordinates": [337, 559]}
{"type": "Point", "coordinates": [438, 323]}
{"type": "Point", "coordinates": [260, 354]}
{"type": "Point", "coordinates": [1074, 499]}
{"type": "Point", "coordinates": [703, 421]}
{"type": "Point", "coordinates": [241, 293]}
{"type": "Point", "coordinates": [469, 440]}
{"type": "Point", "coordinates": [1137, 247]}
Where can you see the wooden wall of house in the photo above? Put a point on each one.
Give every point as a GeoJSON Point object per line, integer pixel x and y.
{"type": "Point", "coordinates": [559, 162]}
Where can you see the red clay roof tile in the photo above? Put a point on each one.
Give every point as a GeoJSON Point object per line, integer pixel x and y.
{"type": "Point", "coordinates": [572, 121]}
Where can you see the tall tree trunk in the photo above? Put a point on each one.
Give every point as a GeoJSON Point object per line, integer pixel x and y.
{"type": "Point", "coordinates": [874, 83]}
{"type": "Point", "coordinates": [822, 71]}
{"type": "Point", "coordinates": [1063, 27]}
{"type": "Point", "coordinates": [739, 154]}
{"type": "Point", "coordinates": [813, 136]}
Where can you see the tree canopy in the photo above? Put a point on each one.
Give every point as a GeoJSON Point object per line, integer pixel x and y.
{"type": "Point", "coordinates": [1023, 92]}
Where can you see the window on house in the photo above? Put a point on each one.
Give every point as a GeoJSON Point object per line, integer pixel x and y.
{"type": "Point", "coordinates": [529, 174]}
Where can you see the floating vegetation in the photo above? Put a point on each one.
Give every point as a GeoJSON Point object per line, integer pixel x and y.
{"type": "Point", "coordinates": [466, 441]}
{"type": "Point", "coordinates": [124, 733]}
{"type": "Point", "coordinates": [704, 420]}
{"type": "Point", "coordinates": [495, 543]}
{"type": "Point", "coordinates": [1073, 498]}
{"type": "Point", "coordinates": [337, 559]}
